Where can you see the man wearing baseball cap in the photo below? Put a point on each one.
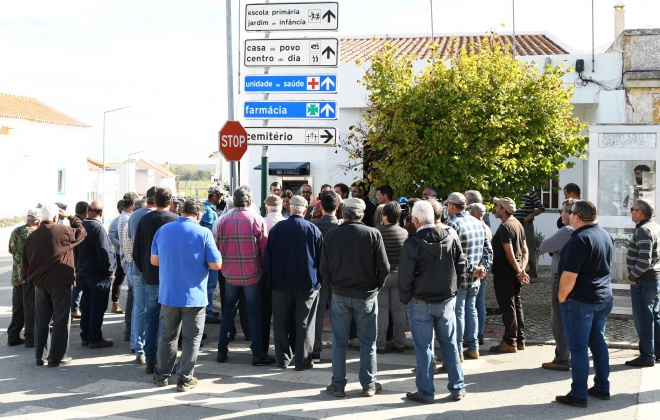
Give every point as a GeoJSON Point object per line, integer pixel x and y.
{"type": "Point", "coordinates": [510, 256]}
{"type": "Point", "coordinates": [22, 301]}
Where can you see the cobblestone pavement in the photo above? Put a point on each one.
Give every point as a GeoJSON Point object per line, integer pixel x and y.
{"type": "Point", "coordinates": [536, 297]}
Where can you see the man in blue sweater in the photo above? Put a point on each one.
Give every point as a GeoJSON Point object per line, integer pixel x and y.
{"type": "Point", "coordinates": [291, 261]}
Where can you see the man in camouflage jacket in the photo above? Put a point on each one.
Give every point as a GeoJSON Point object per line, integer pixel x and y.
{"type": "Point", "coordinates": [23, 292]}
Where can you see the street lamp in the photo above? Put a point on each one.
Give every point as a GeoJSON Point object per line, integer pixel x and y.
{"type": "Point", "coordinates": [105, 112]}
{"type": "Point", "coordinates": [128, 170]}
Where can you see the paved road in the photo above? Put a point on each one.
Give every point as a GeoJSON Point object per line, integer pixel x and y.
{"type": "Point", "coordinates": [106, 383]}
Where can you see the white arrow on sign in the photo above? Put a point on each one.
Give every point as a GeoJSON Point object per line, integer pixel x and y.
{"type": "Point", "coordinates": [328, 109]}
{"type": "Point", "coordinates": [327, 83]}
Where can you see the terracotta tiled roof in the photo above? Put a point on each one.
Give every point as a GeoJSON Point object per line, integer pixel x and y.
{"type": "Point", "coordinates": [352, 49]}
{"type": "Point", "coordinates": [148, 164]}
{"type": "Point", "coordinates": [12, 106]}
{"type": "Point", "coordinates": [97, 165]}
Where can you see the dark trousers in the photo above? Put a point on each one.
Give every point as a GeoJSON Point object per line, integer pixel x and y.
{"type": "Point", "coordinates": [22, 313]}
{"type": "Point", "coordinates": [52, 303]}
{"type": "Point", "coordinates": [242, 310]}
{"type": "Point", "coordinates": [120, 276]}
{"type": "Point", "coordinates": [93, 305]}
{"type": "Point", "coordinates": [299, 307]}
{"type": "Point", "coordinates": [324, 295]}
{"type": "Point", "coordinates": [128, 310]}
{"type": "Point", "coordinates": [507, 293]}
{"type": "Point", "coordinates": [266, 316]}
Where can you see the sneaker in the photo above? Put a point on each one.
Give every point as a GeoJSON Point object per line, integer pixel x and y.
{"type": "Point", "coordinates": [263, 360]}
{"type": "Point", "coordinates": [458, 397]}
{"type": "Point", "coordinates": [414, 396]}
{"type": "Point", "coordinates": [504, 347]}
{"type": "Point", "coordinates": [555, 366]}
{"type": "Point", "coordinates": [101, 344]}
{"type": "Point", "coordinates": [161, 382]}
{"type": "Point", "coordinates": [140, 360]}
{"type": "Point", "coordinates": [116, 309]}
{"type": "Point", "coordinates": [372, 390]}
{"type": "Point", "coordinates": [316, 357]}
{"type": "Point", "coordinates": [598, 394]}
{"type": "Point", "coordinates": [151, 368]}
{"type": "Point", "coordinates": [335, 391]}
{"type": "Point", "coordinates": [213, 320]}
{"type": "Point", "coordinates": [638, 362]}
{"type": "Point", "coordinates": [183, 386]}
{"type": "Point", "coordinates": [469, 354]}
{"type": "Point", "coordinates": [76, 314]}
{"type": "Point", "coordinates": [568, 399]}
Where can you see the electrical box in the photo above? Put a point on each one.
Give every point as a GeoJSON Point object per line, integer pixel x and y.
{"type": "Point", "coordinates": [579, 66]}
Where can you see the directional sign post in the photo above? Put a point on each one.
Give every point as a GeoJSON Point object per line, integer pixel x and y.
{"type": "Point", "coordinates": [292, 17]}
{"type": "Point", "coordinates": [292, 110]}
{"type": "Point", "coordinates": [326, 83]}
{"type": "Point", "coordinates": [308, 52]}
{"type": "Point", "coordinates": [292, 136]}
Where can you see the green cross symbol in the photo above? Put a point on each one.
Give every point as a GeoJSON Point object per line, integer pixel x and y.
{"type": "Point", "coordinates": [312, 110]}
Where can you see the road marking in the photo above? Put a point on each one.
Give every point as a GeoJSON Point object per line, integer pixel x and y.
{"type": "Point", "coordinates": [5, 269]}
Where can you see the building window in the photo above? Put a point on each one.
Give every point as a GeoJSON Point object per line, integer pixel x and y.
{"type": "Point", "coordinates": [61, 180]}
{"type": "Point", "coordinates": [549, 194]}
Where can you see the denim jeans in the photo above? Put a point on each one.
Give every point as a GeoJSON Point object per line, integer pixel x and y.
{"type": "Point", "coordinates": [151, 323]}
{"type": "Point", "coordinates": [466, 317]}
{"type": "Point", "coordinates": [645, 296]}
{"type": "Point", "coordinates": [252, 296]}
{"type": "Point", "coordinates": [210, 289]}
{"type": "Point", "coordinates": [480, 304]}
{"type": "Point", "coordinates": [139, 310]}
{"type": "Point", "coordinates": [94, 303]}
{"type": "Point", "coordinates": [584, 326]}
{"type": "Point", "coordinates": [76, 295]}
{"type": "Point", "coordinates": [424, 320]}
{"type": "Point", "coordinates": [365, 312]}
{"type": "Point", "coordinates": [191, 321]}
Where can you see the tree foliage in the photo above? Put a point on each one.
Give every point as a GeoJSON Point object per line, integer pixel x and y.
{"type": "Point", "coordinates": [487, 122]}
{"type": "Point", "coordinates": [190, 172]}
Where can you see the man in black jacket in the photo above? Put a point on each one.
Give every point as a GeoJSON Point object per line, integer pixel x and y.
{"type": "Point", "coordinates": [95, 265]}
{"type": "Point", "coordinates": [432, 265]}
{"type": "Point", "coordinates": [355, 265]}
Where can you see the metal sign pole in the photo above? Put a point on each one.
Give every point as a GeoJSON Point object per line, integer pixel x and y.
{"type": "Point", "coordinates": [233, 166]}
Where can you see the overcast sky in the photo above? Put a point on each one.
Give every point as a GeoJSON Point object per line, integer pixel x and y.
{"type": "Point", "coordinates": [167, 58]}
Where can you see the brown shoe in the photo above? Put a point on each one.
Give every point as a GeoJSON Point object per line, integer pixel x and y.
{"type": "Point", "coordinates": [116, 309]}
{"type": "Point", "coordinates": [76, 314]}
{"type": "Point", "coordinates": [555, 366]}
{"type": "Point", "coordinates": [521, 345]}
{"type": "Point", "coordinates": [140, 360]}
{"type": "Point", "coordinates": [504, 347]}
{"type": "Point", "coordinates": [471, 354]}
{"type": "Point", "coordinates": [102, 343]}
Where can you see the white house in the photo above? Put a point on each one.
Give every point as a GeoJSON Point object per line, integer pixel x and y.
{"type": "Point", "coordinates": [43, 155]}
{"type": "Point", "coordinates": [138, 175]}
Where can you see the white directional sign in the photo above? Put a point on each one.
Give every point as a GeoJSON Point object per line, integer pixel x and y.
{"type": "Point", "coordinates": [291, 16]}
{"type": "Point", "coordinates": [299, 136]}
{"type": "Point", "coordinates": [314, 52]}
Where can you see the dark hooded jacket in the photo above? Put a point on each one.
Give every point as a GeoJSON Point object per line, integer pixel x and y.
{"type": "Point", "coordinates": [432, 265]}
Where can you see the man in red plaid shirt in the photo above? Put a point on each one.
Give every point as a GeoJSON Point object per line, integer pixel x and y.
{"type": "Point", "coordinates": [242, 238]}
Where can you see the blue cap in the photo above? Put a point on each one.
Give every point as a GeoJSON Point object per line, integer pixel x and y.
{"type": "Point", "coordinates": [402, 200]}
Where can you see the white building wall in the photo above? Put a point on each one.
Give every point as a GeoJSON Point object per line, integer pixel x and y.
{"type": "Point", "coordinates": [30, 158]}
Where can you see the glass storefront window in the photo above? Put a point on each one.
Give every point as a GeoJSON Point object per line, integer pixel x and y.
{"type": "Point", "coordinates": [621, 182]}
{"type": "Point", "coordinates": [622, 238]}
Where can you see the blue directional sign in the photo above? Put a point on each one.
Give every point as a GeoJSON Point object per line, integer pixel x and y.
{"type": "Point", "coordinates": [292, 110]}
{"type": "Point", "coordinates": [323, 83]}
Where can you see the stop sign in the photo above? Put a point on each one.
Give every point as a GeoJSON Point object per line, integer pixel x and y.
{"type": "Point", "coordinates": [233, 141]}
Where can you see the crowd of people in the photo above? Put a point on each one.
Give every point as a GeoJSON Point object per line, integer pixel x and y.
{"type": "Point", "coordinates": [375, 267]}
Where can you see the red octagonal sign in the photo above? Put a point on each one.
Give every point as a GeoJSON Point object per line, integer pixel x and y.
{"type": "Point", "coordinates": [233, 141]}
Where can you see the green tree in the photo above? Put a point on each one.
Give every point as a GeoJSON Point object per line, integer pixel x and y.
{"type": "Point", "coordinates": [487, 122]}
